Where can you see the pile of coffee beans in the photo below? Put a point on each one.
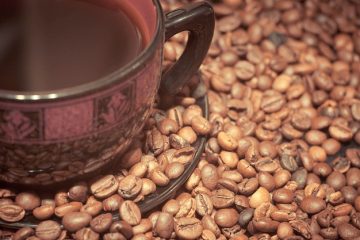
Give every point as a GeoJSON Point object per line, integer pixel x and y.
{"type": "Point", "coordinates": [282, 159]}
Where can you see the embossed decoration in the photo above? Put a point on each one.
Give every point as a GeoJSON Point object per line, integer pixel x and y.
{"type": "Point", "coordinates": [19, 125]}
{"type": "Point", "coordinates": [114, 109]}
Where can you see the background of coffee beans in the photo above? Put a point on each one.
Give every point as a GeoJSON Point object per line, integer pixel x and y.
{"type": "Point", "coordinates": [281, 160]}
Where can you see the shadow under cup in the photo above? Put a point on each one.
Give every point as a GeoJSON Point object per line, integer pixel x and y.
{"type": "Point", "coordinates": [54, 137]}
{"type": "Point", "coordinates": [58, 137]}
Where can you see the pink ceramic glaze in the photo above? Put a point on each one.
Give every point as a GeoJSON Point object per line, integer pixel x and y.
{"type": "Point", "coordinates": [49, 137]}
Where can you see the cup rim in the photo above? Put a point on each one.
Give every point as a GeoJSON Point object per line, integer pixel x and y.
{"type": "Point", "coordinates": [118, 75]}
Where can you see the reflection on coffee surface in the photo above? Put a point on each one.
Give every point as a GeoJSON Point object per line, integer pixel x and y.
{"type": "Point", "coordinates": [48, 45]}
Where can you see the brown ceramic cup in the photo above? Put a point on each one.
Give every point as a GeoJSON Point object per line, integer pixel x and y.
{"type": "Point", "coordinates": [62, 135]}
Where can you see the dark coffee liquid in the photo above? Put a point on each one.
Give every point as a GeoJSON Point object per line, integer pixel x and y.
{"type": "Point", "coordinates": [55, 44]}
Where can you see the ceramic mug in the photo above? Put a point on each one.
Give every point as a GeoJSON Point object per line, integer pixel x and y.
{"type": "Point", "coordinates": [58, 136]}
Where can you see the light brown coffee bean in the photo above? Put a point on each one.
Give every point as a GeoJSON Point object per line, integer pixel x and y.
{"type": "Point", "coordinates": [174, 170]}
{"type": "Point", "coordinates": [48, 230]}
{"type": "Point", "coordinates": [188, 134]}
{"type": "Point", "coordinates": [164, 225]}
{"type": "Point", "coordinates": [244, 70]}
{"type": "Point", "coordinates": [86, 234]}
{"type": "Point", "coordinates": [28, 200]}
{"type": "Point", "coordinates": [258, 197]}
{"type": "Point", "coordinates": [159, 178]}
{"type": "Point", "coordinates": [112, 203]}
{"type": "Point", "coordinates": [74, 221]}
{"type": "Point", "coordinates": [283, 195]}
{"type": "Point", "coordinates": [209, 176]}
{"type": "Point", "coordinates": [92, 206]}
{"type": "Point", "coordinates": [101, 223]}
{"type": "Point", "coordinates": [60, 211]}
{"type": "Point", "coordinates": [11, 212]}
{"type": "Point", "coordinates": [312, 204]}
{"type": "Point", "coordinates": [204, 204]}
{"type": "Point", "coordinates": [104, 187]}
{"type": "Point", "coordinates": [79, 192]}
{"type": "Point", "coordinates": [188, 228]}
{"type": "Point", "coordinates": [23, 233]}
{"type": "Point", "coordinates": [226, 217]}
{"type": "Point", "coordinates": [130, 186]}
{"type": "Point", "coordinates": [222, 198]}
{"type": "Point", "coordinates": [130, 212]}
{"type": "Point", "coordinates": [44, 212]}
{"type": "Point", "coordinates": [200, 125]}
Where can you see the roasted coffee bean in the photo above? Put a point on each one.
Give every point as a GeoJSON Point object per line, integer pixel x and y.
{"type": "Point", "coordinates": [79, 192]}
{"type": "Point", "coordinates": [112, 203]}
{"type": "Point", "coordinates": [104, 187]}
{"type": "Point", "coordinates": [266, 225]}
{"type": "Point", "coordinates": [48, 230]}
{"type": "Point", "coordinates": [226, 217]}
{"type": "Point", "coordinates": [164, 225]}
{"type": "Point", "coordinates": [130, 212]}
{"type": "Point", "coordinates": [312, 204]}
{"type": "Point", "coordinates": [222, 198]}
{"type": "Point", "coordinates": [188, 228]}
{"type": "Point", "coordinates": [101, 223]}
{"type": "Point", "coordinates": [60, 211]}
{"type": "Point", "coordinates": [86, 234]}
{"type": "Point", "coordinates": [113, 236]}
{"type": "Point", "coordinates": [23, 233]}
{"type": "Point", "coordinates": [204, 204]}
{"type": "Point", "coordinates": [209, 176]}
{"type": "Point", "coordinates": [44, 212]}
{"type": "Point", "coordinates": [92, 206]}
{"type": "Point", "coordinates": [261, 195]}
{"type": "Point", "coordinates": [336, 180]}
{"type": "Point", "coordinates": [11, 213]}
{"type": "Point", "coordinates": [283, 195]}
{"type": "Point", "coordinates": [74, 221]}
{"type": "Point", "coordinates": [245, 217]}
{"type": "Point", "coordinates": [130, 186]}
{"type": "Point", "coordinates": [248, 186]}
{"type": "Point", "coordinates": [28, 200]}
{"type": "Point", "coordinates": [122, 227]}
{"type": "Point", "coordinates": [347, 231]}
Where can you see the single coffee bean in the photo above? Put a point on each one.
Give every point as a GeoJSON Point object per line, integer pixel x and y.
{"type": "Point", "coordinates": [209, 176]}
{"type": "Point", "coordinates": [331, 146]}
{"type": "Point", "coordinates": [258, 197]}
{"type": "Point", "coordinates": [114, 236]}
{"type": "Point", "coordinates": [200, 125]}
{"type": "Point", "coordinates": [209, 223]}
{"type": "Point", "coordinates": [355, 219]}
{"type": "Point", "coordinates": [245, 217]}
{"type": "Point", "coordinates": [324, 218]}
{"type": "Point", "coordinates": [164, 225]}
{"type": "Point", "coordinates": [300, 176]}
{"type": "Point", "coordinates": [244, 70]}
{"type": "Point", "coordinates": [340, 132]}
{"type": "Point", "coordinates": [60, 211]}
{"type": "Point", "coordinates": [74, 221]}
{"type": "Point", "coordinates": [348, 231]}
{"type": "Point", "coordinates": [336, 180]}
{"type": "Point", "coordinates": [112, 203]}
{"type": "Point", "coordinates": [241, 202]}
{"type": "Point", "coordinates": [341, 164]}
{"type": "Point", "coordinates": [48, 230]}
{"type": "Point", "coordinates": [283, 195]}
{"type": "Point", "coordinates": [130, 212]}
{"type": "Point", "coordinates": [222, 198]}
{"type": "Point", "coordinates": [174, 170]}
{"type": "Point", "coordinates": [266, 225]}
{"type": "Point", "coordinates": [284, 230]}
{"type": "Point", "coordinates": [188, 228]}
{"type": "Point", "coordinates": [23, 233]}
{"type": "Point", "coordinates": [204, 204]}
{"type": "Point", "coordinates": [122, 227]}
{"type": "Point", "coordinates": [44, 212]}
{"type": "Point", "coordinates": [86, 234]}
{"type": "Point", "coordinates": [130, 186]}
{"type": "Point", "coordinates": [28, 200]}
{"type": "Point", "coordinates": [266, 180]}
{"type": "Point", "coordinates": [343, 209]}
{"type": "Point", "coordinates": [79, 192]}
{"type": "Point", "coordinates": [11, 213]}
{"type": "Point", "coordinates": [101, 223]}
{"type": "Point", "coordinates": [226, 217]}
{"type": "Point", "coordinates": [288, 162]}
{"type": "Point", "coordinates": [248, 186]}
{"type": "Point", "coordinates": [301, 227]}
{"type": "Point", "coordinates": [283, 215]}
{"type": "Point", "coordinates": [92, 206]}
{"type": "Point", "coordinates": [104, 187]}
{"type": "Point", "coordinates": [312, 204]}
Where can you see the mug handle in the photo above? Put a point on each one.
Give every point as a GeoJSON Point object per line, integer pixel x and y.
{"type": "Point", "coordinates": [199, 20]}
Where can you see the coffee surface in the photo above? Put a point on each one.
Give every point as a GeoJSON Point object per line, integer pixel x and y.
{"type": "Point", "coordinates": [49, 45]}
